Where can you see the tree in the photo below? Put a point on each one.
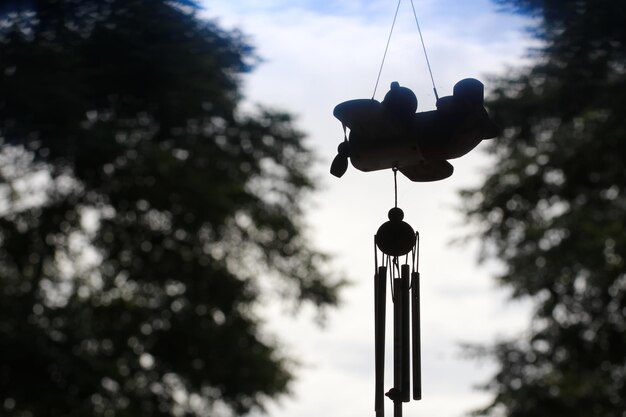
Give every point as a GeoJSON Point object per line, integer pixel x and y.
{"type": "Point", "coordinates": [139, 208]}
{"type": "Point", "coordinates": [553, 210]}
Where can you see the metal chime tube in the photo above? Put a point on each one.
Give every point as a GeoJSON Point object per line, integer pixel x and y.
{"type": "Point", "coordinates": [397, 408]}
{"type": "Point", "coordinates": [405, 333]}
{"type": "Point", "coordinates": [401, 339]}
{"type": "Point", "coordinates": [380, 304]}
{"type": "Point", "coordinates": [416, 329]}
{"type": "Point", "coordinates": [398, 368]}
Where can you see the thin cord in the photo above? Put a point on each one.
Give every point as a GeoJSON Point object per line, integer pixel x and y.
{"type": "Point", "coordinates": [417, 255]}
{"type": "Point", "coordinates": [375, 257]}
{"type": "Point", "coordinates": [395, 185]}
{"type": "Point", "coordinates": [424, 48]}
{"type": "Point", "coordinates": [386, 47]}
{"type": "Point", "coordinates": [391, 276]}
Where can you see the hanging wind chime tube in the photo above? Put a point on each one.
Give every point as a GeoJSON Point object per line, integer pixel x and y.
{"type": "Point", "coordinates": [380, 306]}
{"type": "Point", "coordinates": [415, 323]}
{"type": "Point", "coordinates": [396, 239]}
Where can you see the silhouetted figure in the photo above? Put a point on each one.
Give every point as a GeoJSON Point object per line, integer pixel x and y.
{"type": "Point", "coordinates": [390, 134]}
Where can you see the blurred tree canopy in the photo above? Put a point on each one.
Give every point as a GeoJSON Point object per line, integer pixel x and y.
{"type": "Point", "coordinates": [138, 208]}
{"type": "Point", "coordinates": [553, 211]}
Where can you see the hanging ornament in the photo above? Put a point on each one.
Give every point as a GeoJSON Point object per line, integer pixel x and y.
{"type": "Point", "coordinates": [391, 135]}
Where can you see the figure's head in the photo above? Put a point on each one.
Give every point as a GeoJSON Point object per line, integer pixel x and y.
{"type": "Point", "coordinates": [470, 90]}
{"type": "Point", "coordinates": [400, 100]}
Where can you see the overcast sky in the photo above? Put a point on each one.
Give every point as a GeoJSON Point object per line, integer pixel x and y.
{"type": "Point", "coordinates": [318, 53]}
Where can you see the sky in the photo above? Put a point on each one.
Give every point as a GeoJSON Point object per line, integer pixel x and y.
{"type": "Point", "coordinates": [315, 55]}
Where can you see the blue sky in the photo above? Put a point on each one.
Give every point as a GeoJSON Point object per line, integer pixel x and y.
{"type": "Point", "coordinates": [316, 55]}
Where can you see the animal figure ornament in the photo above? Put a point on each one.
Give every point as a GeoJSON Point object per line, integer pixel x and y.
{"type": "Point", "coordinates": [391, 135]}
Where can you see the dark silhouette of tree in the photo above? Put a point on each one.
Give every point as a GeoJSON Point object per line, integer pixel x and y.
{"type": "Point", "coordinates": [138, 209]}
{"type": "Point", "coordinates": [553, 210]}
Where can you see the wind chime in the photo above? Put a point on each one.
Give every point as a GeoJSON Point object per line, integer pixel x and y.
{"type": "Point", "coordinates": [391, 135]}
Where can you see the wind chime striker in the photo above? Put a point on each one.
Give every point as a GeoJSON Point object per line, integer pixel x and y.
{"type": "Point", "coordinates": [396, 240]}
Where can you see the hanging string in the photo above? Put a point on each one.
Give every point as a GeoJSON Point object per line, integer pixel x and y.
{"type": "Point", "coordinates": [416, 252]}
{"type": "Point", "coordinates": [395, 273]}
{"type": "Point", "coordinates": [415, 257]}
{"type": "Point", "coordinates": [391, 262]}
{"type": "Point", "coordinates": [395, 185]}
{"type": "Point", "coordinates": [424, 48]}
{"type": "Point", "coordinates": [375, 257]}
{"type": "Point", "coordinates": [386, 48]}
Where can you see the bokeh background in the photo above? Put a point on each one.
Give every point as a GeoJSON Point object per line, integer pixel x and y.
{"type": "Point", "coordinates": [172, 243]}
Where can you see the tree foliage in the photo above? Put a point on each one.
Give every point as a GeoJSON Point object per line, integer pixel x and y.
{"type": "Point", "coordinates": [553, 211]}
{"type": "Point", "coordinates": [138, 208]}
